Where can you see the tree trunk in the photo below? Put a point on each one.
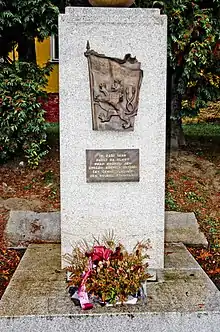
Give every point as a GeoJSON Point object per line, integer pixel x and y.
{"type": "Point", "coordinates": [175, 135]}
{"type": "Point", "coordinates": [26, 49]}
{"type": "Point", "coordinates": [177, 138]}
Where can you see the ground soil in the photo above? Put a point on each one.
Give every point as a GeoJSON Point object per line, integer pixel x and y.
{"type": "Point", "coordinates": [192, 185]}
{"type": "Point", "coordinates": [24, 189]}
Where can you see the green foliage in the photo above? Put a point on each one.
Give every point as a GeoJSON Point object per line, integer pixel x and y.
{"type": "Point", "coordinates": [211, 130]}
{"type": "Point", "coordinates": [194, 197]}
{"type": "Point", "coordinates": [36, 18]}
{"type": "Point", "coordinates": [170, 202]}
{"type": "Point", "coordinates": [22, 125]}
{"type": "Point", "coordinates": [22, 21]}
{"type": "Point", "coordinates": [114, 278]}
{"type": "Point", "coordinates": [120, 277]}
{"type": "Point", "coordinates": [193, 49]}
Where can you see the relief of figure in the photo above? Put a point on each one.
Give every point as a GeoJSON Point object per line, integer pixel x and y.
{"type": "Point", "coordinates": [115, 86]}
{"type": "Point", "coordinates": [117, 101]}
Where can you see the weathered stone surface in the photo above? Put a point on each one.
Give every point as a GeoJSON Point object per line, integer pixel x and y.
{"type": "Point", "coordinates": [1, 202]}
{"type": "Point", "coordinates": [129, 322]}
{"type": "Point", "coordinates": [176, 256]}
{"type": "Point", "coordinates": [183, 227]}
{"type": "Point", "coordinates": [22, 204]}
{"type": "Point", "coordinates": [182, 300]}
{"type": "Point", "coordinates": [174, 226]}
{"type": "Point", "coordinates": [27, 226]}
{"type": "Point", "coordinates": [93, 208]}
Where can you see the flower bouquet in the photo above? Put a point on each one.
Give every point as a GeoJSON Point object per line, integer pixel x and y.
{"type": "Point", "coordinates": [106, 273]}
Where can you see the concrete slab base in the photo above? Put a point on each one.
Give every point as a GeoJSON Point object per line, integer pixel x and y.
{"type": "Point", "coordinates": [183, 227]}
{"type": "Point", "coordinates": [183, 299]}
{"type": "Point", "coordinates": [24, 227]}
{"type": "Point", "coordinates": [142, 322]}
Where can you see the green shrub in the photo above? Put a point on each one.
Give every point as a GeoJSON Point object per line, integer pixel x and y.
{"type": "Point", "coordinates": [22, 123]}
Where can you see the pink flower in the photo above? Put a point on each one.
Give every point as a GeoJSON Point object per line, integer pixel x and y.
{"type": "Point", "coordinates": [99, 253]}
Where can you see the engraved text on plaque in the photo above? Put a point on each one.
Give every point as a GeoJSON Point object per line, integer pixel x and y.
{"type": "Point", "coordinates": [112, 165]}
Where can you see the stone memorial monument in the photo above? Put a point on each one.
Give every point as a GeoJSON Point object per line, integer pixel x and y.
{"type": "Point", "coordinates": [112, 129]}
{"type": "Point", "coordinates": [112, 125]}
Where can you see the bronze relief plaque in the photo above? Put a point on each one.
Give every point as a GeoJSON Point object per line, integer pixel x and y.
{"type": "Point", "coordinates": [120, 165]}
{"type": "Point", "coordinates": [114, 89]}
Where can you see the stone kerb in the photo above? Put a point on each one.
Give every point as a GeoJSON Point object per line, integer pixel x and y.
{"type": "Point", "coordinates": [117, 15]}
{"type": "Point", "coordinates": [134, 210]}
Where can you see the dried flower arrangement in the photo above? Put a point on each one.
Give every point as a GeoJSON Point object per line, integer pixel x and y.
{"type": "Point", "coordinates": [106, 272]}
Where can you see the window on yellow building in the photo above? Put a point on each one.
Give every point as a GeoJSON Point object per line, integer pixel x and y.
{"type": "Point", "coordinates": [54, 48]}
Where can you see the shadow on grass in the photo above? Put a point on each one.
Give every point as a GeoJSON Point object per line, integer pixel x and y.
{"type": "Point", "coordinates": [53, 134]}
{"type": "Point", "coordinates": [203, 139]}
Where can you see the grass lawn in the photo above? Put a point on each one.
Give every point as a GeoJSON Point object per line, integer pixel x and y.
{"type": "Point", "coordinates": [199, 130]}
{"type": "Point", "coordinates": [53, 129]}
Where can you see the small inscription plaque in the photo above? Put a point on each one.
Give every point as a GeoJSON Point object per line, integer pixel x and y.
{"type": "Point", "coordinates": [112, 165]}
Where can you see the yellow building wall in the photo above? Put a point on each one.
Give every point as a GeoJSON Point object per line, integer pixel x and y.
{"type": "Point", "coordinates": [43, 55]}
